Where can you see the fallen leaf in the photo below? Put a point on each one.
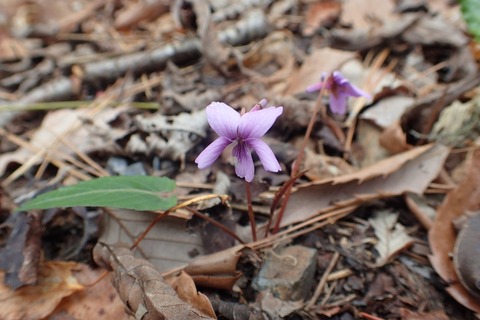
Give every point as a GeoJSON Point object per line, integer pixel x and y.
{"type": "Point", "coordinates": [391, 235]}
{"type": "Point", "coordinates": [320, 14]}
{"type": "Point", "coordinates": [185, 287]}
{"type": "Point", "coordinates": [411, 171]}
{"type": "Point", "coordinates": [389, 110]}
{"type": "Point", "coordinates": [21, 249]}
{"type": "Point", "coordinates": [394, 139]}
{"type": "Point", "coordinates": [143, 289]}
{"type": "Point", "coordinates": [55, 282]}
{"type": "Point", "coordinates": [168, 245]}
{"type": "Point", "coordinates": [442, 235]}
{"type": "Point", "coordinates": [99, 301]}
{"type": "Point", "coordinates": [217, 270]}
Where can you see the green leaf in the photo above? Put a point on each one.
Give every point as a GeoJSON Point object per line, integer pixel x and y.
{"type": "Point", "coordinates": [127, 192]}
{"type": "Point", "coordinates": [471, 14]}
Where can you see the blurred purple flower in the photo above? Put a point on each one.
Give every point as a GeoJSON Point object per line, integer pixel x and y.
{"type": "Point", "coordinates": [245, 131]}
{"type": "Point", "coordinates": [340, 89]}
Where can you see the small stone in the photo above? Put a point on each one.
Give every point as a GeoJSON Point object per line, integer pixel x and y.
{"type": "Point", "coordinates": [289, 273]}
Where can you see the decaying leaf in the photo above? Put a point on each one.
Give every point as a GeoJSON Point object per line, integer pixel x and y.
{"type": "Point", "coordinates": [391, 235]}
{"type": "Point", "coordinates": [411, 171]}
{"type": "Point", "coordinates": [169, 137]}
{"type": "Point", "coordinates": [21, 249]}
{"type": "Point", "coordinates": [217, 270]}
{"type": "Point", "coordinates": [168, 245]}
{"type": "Point", "coordinates": [99, 301]}
{"type": "Point", "coordinates": [143, 289]}
{"type": "Point", "coordinates": [458, 123]}
{"type": "Point", "coordinates": [442, 235]}
{"type": "Point", "coordinates": [55, 282]}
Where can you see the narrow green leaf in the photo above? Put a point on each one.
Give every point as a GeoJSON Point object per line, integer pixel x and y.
{"type": "Point", "coordinates": [471, 14]}
{"type": "Point", "coordinates": [127, 192]}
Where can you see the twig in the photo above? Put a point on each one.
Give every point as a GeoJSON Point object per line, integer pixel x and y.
{"type": "Point", "coordinates": [323, 281]}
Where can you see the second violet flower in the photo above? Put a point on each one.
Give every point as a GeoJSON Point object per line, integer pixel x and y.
{"type": "Point", "coordinates": [243, 130]}
{"type": "Point", "coordinates": [340, 89]}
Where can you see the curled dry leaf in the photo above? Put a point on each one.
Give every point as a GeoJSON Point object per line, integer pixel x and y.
{"type": "Point", "coordinates": [217, 270]}
{"type": "Point", "coordinates": [442, 235]}
{"type": "Point", "coordinates": [55, 281]}
{"type": "Point", "coordinates": [411, 171]}
{"type": "Point", "coordinates": [143, 289]}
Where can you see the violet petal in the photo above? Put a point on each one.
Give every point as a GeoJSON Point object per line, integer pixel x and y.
{"type": "Point", "coordinates": [223, 119]}
{"type": "Point", "coordinates": [268, 159]}
{"type": "Point", "coordinates": [314, 87]}
{"type": "Point", "coordinates": [256, 124]}
{"type": "Point", "coordinates": [244, 167]}
{"type": "Point", "coordinates": [353, 91]}
{"type": "Point", "coordinates": [208, 156]}
{"type": "Point", "coordinates": [338, 103]}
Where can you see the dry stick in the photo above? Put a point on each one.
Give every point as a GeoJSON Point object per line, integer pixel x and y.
{"type": "Point", "coordinates": [299, 160]}
{"type": "Point", "coordinates": [217, 224]}
{"type": "Point", "coordinates": [251, 215]}
{"type": "Point", "coordinates": [305, 227]}
{"type": "Point", "coordinates": [278, 196]}
{"type": "Point", "coordinates": [323, 281]}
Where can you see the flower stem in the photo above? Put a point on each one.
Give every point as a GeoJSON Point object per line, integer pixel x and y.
{"type": "Point", "coordinates": [298, 161]}
{"type": "Point", "coordinates": [251, 215]}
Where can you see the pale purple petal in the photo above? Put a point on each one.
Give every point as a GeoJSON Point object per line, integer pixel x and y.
{"type": "Point", "coordinates": [353, 91]}
{"type": "Point", "coordinates": [256, 124]}
{"type": "Point", "coordinates": [338, 103]}
{"type": "Point", "coordinates": [315, 87]}
{"type": "Point", "coordinates": [208, 156]}
{"type": "Point", "coordinates": [223, 119]}
{"type": "Point", "coordinates": [244, 167]}
{"type": "Point", "coordinates": [268, 159]}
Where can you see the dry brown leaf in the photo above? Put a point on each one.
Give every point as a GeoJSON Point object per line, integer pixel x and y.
{"type": "Point", "coordinates": [271, 60]}
{"type": "Point", "coordinates": [442, 235]}
{"type": "Point", "coordinates": [432, 315]}
{"type": "Point", "coordinates": [55, 282]}
{"type": "Point", "coordinates": [368, 142]}
{"type": "Point", "coordinates": [391, 235]}
{"type": "Point", "coordinates": [184, 285]}
{"type": "Point", "coordinates": [217, 270]}
{"type": "Point", "coordinates": [321, 166]}
{"type": "Point", "coordinates": [99, 301]}
{"type": "Point", "coordinates": [411, 171]}
{"type": "Point", "coordinates": [320, 14]}
{"type": "Point", "coordinates": [394, 139]}
{"type": "Point", "coordinates": [135, 13]}
{"type": "Point", "coordinates": [143, 289]}
{"type": "Point", "coordinates": [168, 245]}
{"type": "Point", "coordinates": [389, 110]}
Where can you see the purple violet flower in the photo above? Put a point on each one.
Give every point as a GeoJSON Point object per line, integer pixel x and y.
{"type": "Point", "coordinates": [245, 130]}
{"type": "Point", "coordinates": [340, 89]}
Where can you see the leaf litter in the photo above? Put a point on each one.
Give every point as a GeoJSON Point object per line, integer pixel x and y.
{"type": "Point", "coordinates": [414, 58]}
